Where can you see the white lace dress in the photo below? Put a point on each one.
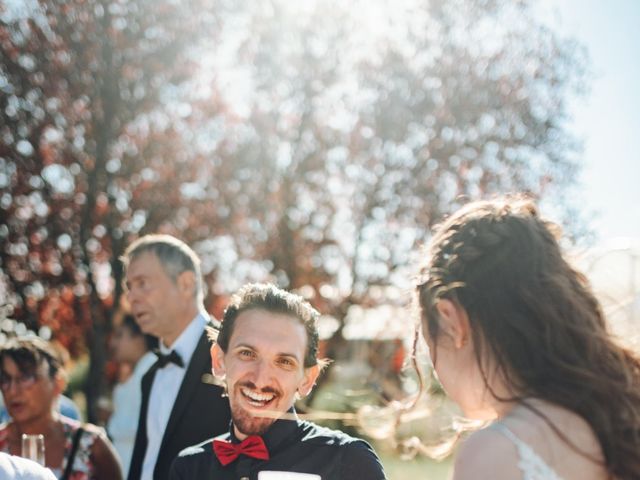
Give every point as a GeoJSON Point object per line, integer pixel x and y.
{"type": "Point", "coordinates": [531, 465]}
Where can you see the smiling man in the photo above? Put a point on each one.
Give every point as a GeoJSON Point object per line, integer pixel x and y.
{"type": "Point", "coordinates": [266, 353]}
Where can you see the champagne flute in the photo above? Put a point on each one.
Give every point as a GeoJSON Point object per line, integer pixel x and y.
{"type": "Point", "coordinates": [33, 448]}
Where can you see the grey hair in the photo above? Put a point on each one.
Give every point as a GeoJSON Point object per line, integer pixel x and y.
{"type": "Point", "coordinates": [174, 255]}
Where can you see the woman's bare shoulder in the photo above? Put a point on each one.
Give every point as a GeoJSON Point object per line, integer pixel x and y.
{"type": "Point", "coordinates": [486, 454]}
{"type": "Point", "coordinates": [561, 438]}
{"type": "Point", "coordinates": [543, 423]}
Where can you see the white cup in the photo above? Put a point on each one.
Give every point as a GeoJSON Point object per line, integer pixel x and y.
{"type": "Point", "coordinates": [273, 475]}
{"type": "Point", "coordinates": [33, 448]}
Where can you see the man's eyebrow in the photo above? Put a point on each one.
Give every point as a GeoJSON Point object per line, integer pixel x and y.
{"type": "Point", "coordinates": [251, 347]}
{"type": "Point", "coordinates": [242, 345]}
{"type": "Point", "coordinates": [289, 355]}
{"type": "Point", "coordinates": [140, 274]}
{"type": "Point", "coordinates": [136, 276]}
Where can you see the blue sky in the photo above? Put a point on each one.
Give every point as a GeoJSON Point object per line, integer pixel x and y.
{"type": "Point", "coordinates": [608, 118]}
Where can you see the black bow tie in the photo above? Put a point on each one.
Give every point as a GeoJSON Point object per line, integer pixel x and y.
{"type": "Point", "coordinates": [171, 357]}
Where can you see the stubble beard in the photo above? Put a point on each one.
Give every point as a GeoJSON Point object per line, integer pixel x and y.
{"type": "Point", "coordinates": [244, 421]}
{"type": "Point", "coordinates": [247, 424]}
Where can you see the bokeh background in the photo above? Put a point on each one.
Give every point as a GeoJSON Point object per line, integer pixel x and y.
{"type": "Point", "coordinates": [313, 144]}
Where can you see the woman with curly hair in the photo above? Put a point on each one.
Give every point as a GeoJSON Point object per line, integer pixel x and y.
{"type": "Point", "coordinates": [518, 339]}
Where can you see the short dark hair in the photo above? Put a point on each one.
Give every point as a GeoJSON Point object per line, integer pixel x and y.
{"type": "Point", "coordinates": [175, 256]}
{"type": "Point", "coordinates": [266, 296]}
{"type": "Point", "coordinates": [29, 352]}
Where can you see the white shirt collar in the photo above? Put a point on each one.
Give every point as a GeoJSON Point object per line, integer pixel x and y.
{"type": "Point", "coordinates": [187, 342]}
{"type": "Point", "coordinates": [143, 364]}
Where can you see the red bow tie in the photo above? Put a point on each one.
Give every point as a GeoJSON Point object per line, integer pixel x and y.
{"type": "Point", "coordinates": [252, 446]}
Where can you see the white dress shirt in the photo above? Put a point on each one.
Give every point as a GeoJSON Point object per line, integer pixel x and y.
{"type": "Point", "coordinates": [164, 391]}
{"type": "Point", "coordinates": [123, 423]}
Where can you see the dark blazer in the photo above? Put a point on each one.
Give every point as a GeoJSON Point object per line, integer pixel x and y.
{"type": "Point", "coordinates": [199, 412]}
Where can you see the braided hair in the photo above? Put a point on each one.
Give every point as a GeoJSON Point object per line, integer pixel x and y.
{"type": "Point", "coordinates": [537, 318]}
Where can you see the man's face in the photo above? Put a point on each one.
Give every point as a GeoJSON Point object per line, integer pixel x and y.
{"type": "Point", "coordinates": [264, 368]}
{"type": "Point", "coordinates": [156, 300]}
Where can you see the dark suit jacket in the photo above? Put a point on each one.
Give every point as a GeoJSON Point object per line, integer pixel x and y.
{"type": "Point", "coordinates": [198, 413]}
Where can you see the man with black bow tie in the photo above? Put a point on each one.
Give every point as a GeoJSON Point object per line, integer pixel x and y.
{"type": "Point", "coordinates": [266, 352]}
{"type": "Point", "coordinates": [180, 406]}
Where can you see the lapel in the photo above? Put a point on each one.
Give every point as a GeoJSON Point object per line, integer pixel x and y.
{"type": "Point", "coordinates": [192, 378]}
{"type": "Point", "coordinates": [140, 445]}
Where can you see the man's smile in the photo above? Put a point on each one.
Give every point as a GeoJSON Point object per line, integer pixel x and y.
{"type": "Point", "coordinates": [257, 399]}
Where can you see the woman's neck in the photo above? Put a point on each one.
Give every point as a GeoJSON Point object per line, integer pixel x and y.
{"type": "Point", "coordinates": [503, 409]}
{"type": "Point", "coordinates": [498, 408]}
{"type": "Point", "coordinates": [45, 425]}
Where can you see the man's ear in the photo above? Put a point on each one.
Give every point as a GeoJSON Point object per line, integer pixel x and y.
{"type": "Point", "coordinates": [217, 361]}
{"type": "Point", "coordinates": [454, 322]}
{"type": "Point", "coordinates": [309, 380]}
{"type": "Point", "coordinates": [186, 282]}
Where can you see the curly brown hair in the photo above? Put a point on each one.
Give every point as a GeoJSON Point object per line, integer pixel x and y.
{"type": "Point", "coordinates": [538, 317]}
